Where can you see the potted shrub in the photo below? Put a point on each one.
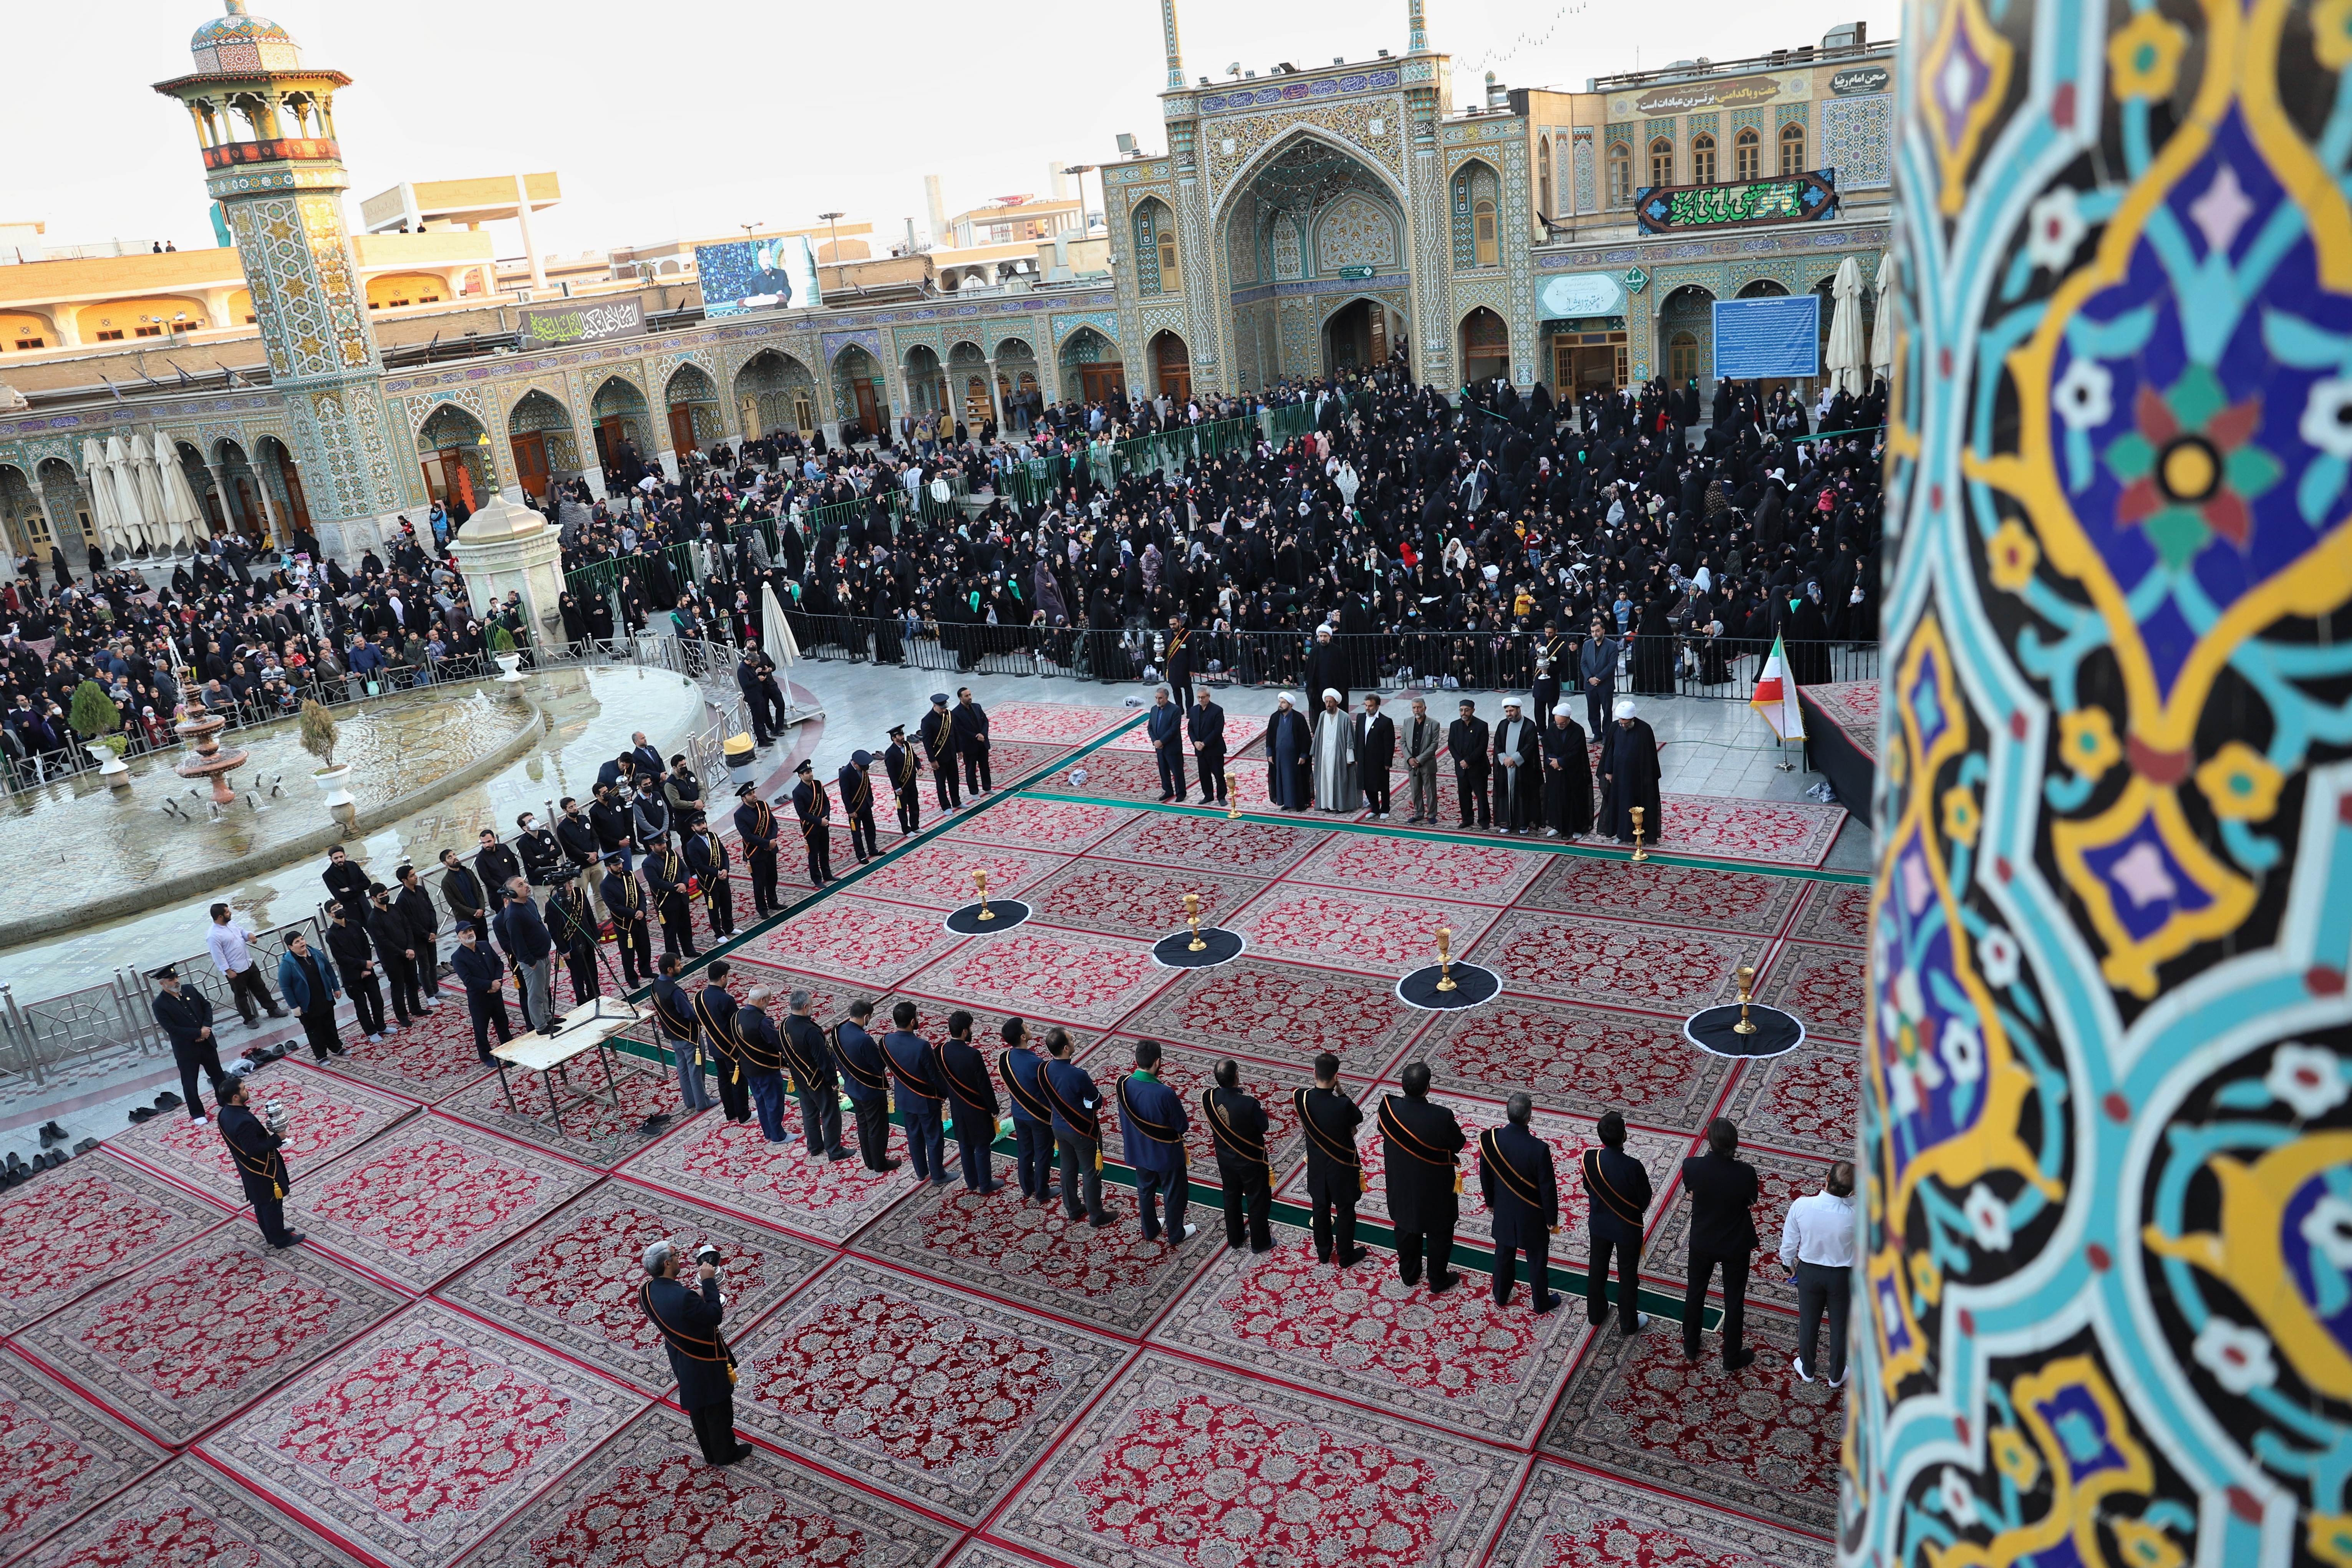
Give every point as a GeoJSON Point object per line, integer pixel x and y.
{"type": "Point", "coordinates": [502, 648]}
{"type": "Point", "coordinates": [318, 737]}
{"type": "Point", "coordinates": [95, 717]}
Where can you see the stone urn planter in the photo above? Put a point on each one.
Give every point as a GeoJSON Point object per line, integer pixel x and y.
{"type": "Point", "coordinates": [111, 765]}
{"type": "Point", "coordinates": [508, 664]}
{"type": "Point", "coordinates": [331, 781]}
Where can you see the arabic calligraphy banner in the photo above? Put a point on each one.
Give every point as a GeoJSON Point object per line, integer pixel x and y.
{"type": "Point", "coordinates": [1800, 198]}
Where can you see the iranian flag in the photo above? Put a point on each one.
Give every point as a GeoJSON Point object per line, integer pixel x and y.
{"type": "Point", "coordinates": [1776, 696]}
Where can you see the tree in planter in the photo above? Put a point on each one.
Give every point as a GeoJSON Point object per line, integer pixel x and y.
{"type": "Point", "coordinates": [319, 734]}
{"type": "Point", "coordinates": [501, 639]}
{"type": "Point", "coordinates": [94, 716]}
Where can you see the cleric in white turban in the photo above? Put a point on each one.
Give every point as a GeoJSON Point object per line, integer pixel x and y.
{"type": "Point", "coordinates": [1337, 787]}
{"type": "Point", "coordinates": [1629, 777]}
{"type": "Point", "coordinates": [1288, 741]}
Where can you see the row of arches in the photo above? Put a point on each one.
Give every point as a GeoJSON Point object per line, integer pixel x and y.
{"type": "Point", "coordinates": [1750, 157]}
{"type": "Point", "coordinates": [255, 494]}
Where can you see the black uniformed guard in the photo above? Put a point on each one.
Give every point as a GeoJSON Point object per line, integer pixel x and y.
{"type": "Point", "coordinates": [698, 1356]}
{"type": "Point", "coordinates": [1152, 1124]}
{"type": "Point", "coordinates": [571, 921]}
{"type": "Point", "coordinates": [706, 856]}
{"type": "Point", "coordinates": [938, 731]}
{"type": "Point", "coordinates": [760, 1054]}
{"type": "Point", "coordinates": [1077, 1131]}
{"type": "Point", "coordinates": [1421, 1145]}
{"type": "Point", "coordinates": [1515, 1174]}
{"type": "Point", "coordinates": [714, 1009]}
{"type": "Point", "coordinates": [815, 1082]}
{"type": "Point", "coordinates": [755, 828]}
{"type": "Point", "coordinates": [1022, 1069]}
{"type": "Point", "coordinates": [1180, 663]}
{"type": "Point", "coordinates": [866, 1078]}
{"type": "Point", "coordinates": [1552, 660]}
{"type": "Point", "coordinates": [858, 805]}
{"type": "Point", "coordinates": [254, 1145]}
{"type": "Point", "coordinates": [813, 810]}
{"type": "Point", "coordinates": [666, 869]}
{"type": "Point", "coordinates": [625, 902]}
{"type": "Point", "coordinates": [920, 1094]}
{"type": "Point", "coordinates": [1334, 1172]}
{"type": "Point", "coordinates": [1617, 1202]}
{"type": "Point", "coordinates": [677, 1028]}
{"type": "Point", "coordinates": [1238, 1123]}
{"type": "Point", "coordinates": [963, 1073]}
{"type": "Point", "coordinates": [904, 765]}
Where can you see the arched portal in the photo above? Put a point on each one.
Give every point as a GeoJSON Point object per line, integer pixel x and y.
{"type": "Point", "coordinates": [242, 490]}
{"type": "Point", "coordinates": [72, 528]}
{"type": "Point", "coordinates": [540, 432]}
{"type": "Point", "coordinates": [1091, 367]}
{"type": "Point", "coordinates": [284, 480]}
{"type": "Point", "coordinates": [968, 378]}
{"type": "Point", "coordinates": [1170, 365]}
{"type": "Point", "coordinates": [926, 383]}
{"type": "Point", "coordinates": [622, 426]}
{"type": "Point", "coordinates": [1361, 335]}
{"type": "Point", "coordinates": [1019, 393]}
{"type": "Point", "coordinates": [860, 394]}
{"type": "Point", "coordinates": [773, 391]}
{"type": "Point", "coordinates": [22, 521]}
{"type": "Point", "coordinates": [454, 452]}
{"type": "Point", "coordinates": [695, 422]}
{"type": "Point", "coordinates": [1687, 327]}
{"type": "Point", "coordinates": [1485, 346]}
{"type": "Point", "coordinates": [1308, 207]}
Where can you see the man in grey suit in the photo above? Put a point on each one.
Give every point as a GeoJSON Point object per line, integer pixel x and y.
{"type": "Point", "coordinates": [1422, 735]}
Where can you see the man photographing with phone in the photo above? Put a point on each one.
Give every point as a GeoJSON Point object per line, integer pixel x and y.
{"type": "Point", "coordinates": [688, 1320]}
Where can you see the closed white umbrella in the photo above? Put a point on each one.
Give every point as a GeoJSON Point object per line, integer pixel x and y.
{"type": "Point", "coordinates": [150, 491]}
{"type": "Point", "coordinates": [103, 509]}
{"type": "Point", "coordinates": [180, 507]}
{"type": "Point", "coordinates": [131, 521]}
{"type": "Point", "coordinates": [778, 640]}
{"type": "Point", "coordinates": [1844, 361]}
{"type": "Point", "coordinates": [1882, 322]}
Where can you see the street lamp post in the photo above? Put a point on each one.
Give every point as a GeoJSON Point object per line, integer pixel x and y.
{"type": "Point", "coordinates": [1082, 171]}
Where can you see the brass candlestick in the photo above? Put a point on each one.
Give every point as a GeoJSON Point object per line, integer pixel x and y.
{"type": "Point", "coordinates": [1746, 976]}
{"type": "Point", "coordinates": [1233, 794]}
{"type": "Point", "coordinates": [1640, 854]}
{"type": "Point", "coordinates": [1192, 914]}
{"type": "Point", "coordinates": [980, 880]}
{"type": "Point", "coordinates": [1444, 958]}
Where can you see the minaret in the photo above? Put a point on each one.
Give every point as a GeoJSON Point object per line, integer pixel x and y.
{"type": "Point", "coordinates": [1175, 54]}
{"type": "Point", "coordinates": [266, 124]}
{"type": "Point", "coordinates": [1416, 41]}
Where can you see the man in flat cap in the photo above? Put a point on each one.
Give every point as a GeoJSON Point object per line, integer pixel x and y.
{"type": "Point", "coordinates": [936, 730]}
{"type": "Point", "coordinates": [902, 762]}
{"type": "Point", "coordinates": [814, 809]}
{"type": "Point", "coordinates": [858, 805]}
{"type": "Point", "coordinates": [755, 828]}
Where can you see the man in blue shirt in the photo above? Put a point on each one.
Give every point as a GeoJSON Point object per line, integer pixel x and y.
{"type": "Point", "coordinates": [1165, 724]}
{"type": "Point", "coordinates": [920, 1094]}
{"type": "Point", "coordinates": [1022, 1071]}
{"type": "Point", "coordinates": [1077, 1131]}
{"type": "Point", "coordinates": [1152, 1124]}
{"type": "Point", "coordinates": [865, 1078]}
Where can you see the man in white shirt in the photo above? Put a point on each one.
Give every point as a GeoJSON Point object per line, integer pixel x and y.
{"type": "Point", "coordinates": [232, 956]}
{"type": "Point", "coordinates": [1817, 1241]}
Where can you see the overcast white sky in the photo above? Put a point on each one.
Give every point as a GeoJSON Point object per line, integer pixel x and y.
{"type": "Point", "coordinates": [691, 118]}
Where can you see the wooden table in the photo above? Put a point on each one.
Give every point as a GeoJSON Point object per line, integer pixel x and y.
{"type": "Point", "coordinates": [579, 1032]}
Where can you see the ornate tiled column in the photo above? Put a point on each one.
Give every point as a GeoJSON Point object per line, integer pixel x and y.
{"type": "Point", "coordinates": [2105, 1277]}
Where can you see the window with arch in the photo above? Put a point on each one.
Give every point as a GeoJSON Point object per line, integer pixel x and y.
{"type": "Point", "coordinates": [1792, 149]}
{"type": "Point", "coordinates": [1155, 249]}
{"type": "Point", "coordinates": [1661, 162]}
{"type": "Point", "coordinates": [1476, 236]}
{"type": "Point", "coordinates": [1748, 155]}
{"type": "Point", "coordinates": [1703, 158]}
{"type": "Point", "coordinates": [1543, 172]}
{"type": "Point", "coordinates": [1620, 175]}
{"type": "Point", "coordinates": [1482, 220]}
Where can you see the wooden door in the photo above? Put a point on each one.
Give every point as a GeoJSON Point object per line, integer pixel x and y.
{"type": "Point", "coordinates": [531, 463]}
{"type": "Point", "coordinates": [610, 433]}
{"type": "Point", "coordinates": [1100, 383]}
{"type": "Point", "coordinates": [295, 503]}
{"type": "Point", "coordinates": [869, 409]}
{"type": "Point", "coordinates": [681, 427]}
{"type": "Point", "coordinates": [252, 526]}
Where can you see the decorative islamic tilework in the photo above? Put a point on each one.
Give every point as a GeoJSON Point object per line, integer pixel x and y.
{"type": "Point", "coordinates": [1150, 216]}
{"type": "Point", "coordinates": [1857, 141]}
{"type": "Point", "coordinates": [1704, 122]}
{"type": "Point", "coordinates": [1291, 92]}
{"type": "Point", "coordinates": [1473, 182]}
{"type": "Point", "coordinates": [1233, 144]}
{"type": "Point", "coordinates": [1284, 245]}
{"type": "Point", "coordinates": [1585, 202]}
{"type": "Point", "coordinates": [1103, 322]}
{"type": "Point", "coordinates": [1790, 113]}
{"type": "Point", "coordinates": [1355, 231]}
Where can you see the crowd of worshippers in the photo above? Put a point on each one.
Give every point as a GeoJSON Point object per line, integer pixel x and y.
{"type": "Point", "coordinates": [228, 636]}
{"type": "Point", "coordinates": [1437, 537]}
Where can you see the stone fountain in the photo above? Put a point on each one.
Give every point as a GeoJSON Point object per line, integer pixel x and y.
{"type": "Point", "coordinates": [209, 761]}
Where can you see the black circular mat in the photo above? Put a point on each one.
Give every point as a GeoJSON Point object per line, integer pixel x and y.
{"type": "Point", "coordinates": [1176, 952]}
{"type": "Point", "coordinates": [1473, 984]}
{"type": "Point", "coordinates": [1005, 914]}
{"type": "Point", "coordinates": [1714, 1030]}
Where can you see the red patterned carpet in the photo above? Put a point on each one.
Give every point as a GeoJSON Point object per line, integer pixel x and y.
{"type": "Point", "coordinates": [1852, 707]}
{"type": "Point", "coordinates": [455, 1368]}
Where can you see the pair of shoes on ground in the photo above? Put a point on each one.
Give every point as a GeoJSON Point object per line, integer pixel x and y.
{"type": "Point", "coordinates": [1551, 1301]}
{"type": "Point", "coordinates": [1190, 1230]}
{"type": "Point", "coordinates": [1797, 1365]}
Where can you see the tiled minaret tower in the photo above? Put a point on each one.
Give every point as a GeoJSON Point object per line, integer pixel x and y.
{"type": "Point", "coordinates": [266, 124]}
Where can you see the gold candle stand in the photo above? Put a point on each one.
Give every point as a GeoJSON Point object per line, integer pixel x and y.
{"type": "Point", "coordinates": [979, 881]}
{"type": "Point", "coordinates": [1445, 958]}
{"type": "Point", "coordinates": [1640, 853]}
{"type": "Point", "coordinates": [1746, 976]}
{"type": "Point", "coordinates": [1193, 915]}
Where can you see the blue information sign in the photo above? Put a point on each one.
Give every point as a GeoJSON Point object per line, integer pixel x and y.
{"type": "Point", "coordinates": [1777, 336]}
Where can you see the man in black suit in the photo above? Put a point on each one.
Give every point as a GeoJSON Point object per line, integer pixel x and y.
{"type": "Point", "coordinates": [1617, 1197]}
{"type": "Point", "coordinates": [1204, 726]}
{"type": "Point", "coordinates": [1423, 1143]}
{"type": "Point", "coordinates": [812, 810]}
{"type": "Point", "coordinates": [900, 763]}
{"type": "Point", "coordinates": [1515, 1175]}
{"type": "Point", "coordinates": [1164, 723]}
{"type": "Point", "coordinates": [1077, 1131]}
{"type": "Point", "coordinates": [936, 729]}
{"type": "Point", "coordinates": [969, 722]}
{"type": "Point", "coordinates": [858, 805]}
{"type": "Point", "coordinates": [1334, 1172]}
{"type": "Point", "coordinates": [756, 831]}
{"type": "Point", "coordinates": [714, 1012]}
{"type": "Point", "coordinates": [698, 1356]}
{"type": "Point", "coordinates": [920, 1094]}
{"type": "Point", "coordinates": [1723, 1191]}
{"type": "Point", "coordinates": [1237, 1123]}
{"type": "Point", "coordinates": [1375, 749]}
{"type": "Point", "coordinates": [866, 1078]}
{"type": "Point", "coordinates": [254, 1144]}
{"type": "Point", "coordinates": [1465, 740]}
